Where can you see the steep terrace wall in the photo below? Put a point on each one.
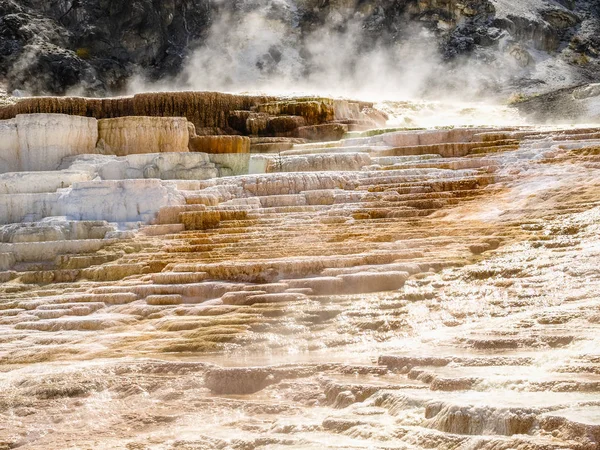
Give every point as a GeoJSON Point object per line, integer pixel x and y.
{"type": "Point", "coordinates": [37, 142]}
{"type": "Point", "coordinates": [135, 135]}
{"type": "Point", "coordinates": [203, 109]}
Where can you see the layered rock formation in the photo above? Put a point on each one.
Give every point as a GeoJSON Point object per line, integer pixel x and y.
{"type": "Point", "coordinates": [407, 289]}
{"type": "Point", "coordinates": [203, 109]}
{"type": "Point", "coordinates": [214, 113]}
{"type": "Point", "coordinates": [112, 200]}
{"type": "Point", "coordinates": [38, 133]}
{"type": "Point", "coordinates": [59, 165]}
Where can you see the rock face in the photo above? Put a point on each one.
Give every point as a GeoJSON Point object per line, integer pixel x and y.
{"type": "Point", "coordinates": [579, 104]}
{"type": "Point", "coordinates": [95, 46]}
{"type": "Point", "coordinates": [314, 111]}
{"type": "Point", "coordinates": [54, 229]}
{"type": "Point", "coordinates": [314, 163]}
{"type": "Point", "coordinates": [35, 142]}
{"type": "Point", "coordinates": [114, 201]}
{"type": "Point", "coordinates": [163, 166]}
{"type": "Point", "coordinates": [52, 46]}
{"type": "Point", "coordinates": [9, 146]}
{"type": "Point", "coordinates": [324, 133]}
{"type": "Point", "coordinates": [134, 135]}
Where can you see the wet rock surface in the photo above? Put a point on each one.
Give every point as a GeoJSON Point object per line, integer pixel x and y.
{"type": "Point", "coordinates": [395, 289]}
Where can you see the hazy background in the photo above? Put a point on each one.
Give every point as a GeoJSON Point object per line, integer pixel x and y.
{"type": "Point", "coordinates": [260, 47]}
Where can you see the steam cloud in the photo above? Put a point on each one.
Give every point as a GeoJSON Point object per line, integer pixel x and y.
{"type": "Point", "coordinates": [258, 46]}
{"type": "Point", "coordinates": [263, 50]}
{"type": "Point", "coordinates": [266, 55]}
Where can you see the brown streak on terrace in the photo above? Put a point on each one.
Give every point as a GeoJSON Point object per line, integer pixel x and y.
{"type": "Point", "coordinates": [206, 110]}
{"type": "Point", "coordinates": [203, 109]}
{"type": "Point", "coordinates": [409, 289]}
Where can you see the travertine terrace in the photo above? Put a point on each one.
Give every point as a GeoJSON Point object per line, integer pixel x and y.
{"type": "Point", "coordinates": [235, 282]}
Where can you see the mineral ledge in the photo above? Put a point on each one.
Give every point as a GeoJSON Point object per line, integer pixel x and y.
{"type": "Point", "coordinates": [203, 271]}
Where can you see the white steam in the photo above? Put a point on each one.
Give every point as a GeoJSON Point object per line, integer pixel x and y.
{"type": "Point", "coordinates": [258, 52]}
{"type": "Point", "coordinates": [261, 48]}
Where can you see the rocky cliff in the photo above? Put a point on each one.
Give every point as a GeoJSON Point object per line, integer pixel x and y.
{"type": "Point", "coordinates": [96, 46]}
{"type": "Point", "coordinates": [52, 46]}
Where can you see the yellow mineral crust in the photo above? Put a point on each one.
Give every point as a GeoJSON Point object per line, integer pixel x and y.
{"type": "Point", "coordinates": [220, 144]}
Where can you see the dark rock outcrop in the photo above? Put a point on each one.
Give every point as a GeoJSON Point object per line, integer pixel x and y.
{"type": "Point", "coordinates": [94, 47]}
{"type": "Point", "coordinates": [569, 105]}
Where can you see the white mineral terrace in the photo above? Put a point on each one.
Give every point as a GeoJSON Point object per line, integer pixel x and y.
{"type": "Point", "coordinates": [424, 289]}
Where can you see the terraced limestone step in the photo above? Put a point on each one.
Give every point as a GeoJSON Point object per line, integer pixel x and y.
{"type": "Point", "coordinates": [348, 300]}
